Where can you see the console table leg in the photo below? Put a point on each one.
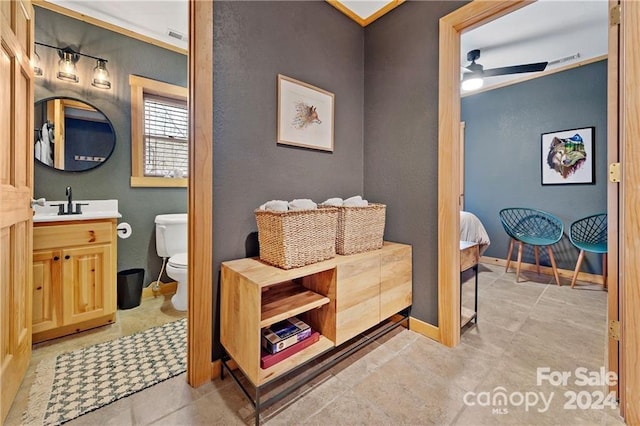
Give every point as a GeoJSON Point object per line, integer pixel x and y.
{"type": "Point", "coordinates": [257, 406]}
{"type": "Point", "coordinates": [475, 307]}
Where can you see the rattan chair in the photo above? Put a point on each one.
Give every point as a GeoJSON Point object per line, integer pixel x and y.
{"type": "Point", "coordinates": [590, 234]}
{"type": "Point", "coordinates": [533, 227]}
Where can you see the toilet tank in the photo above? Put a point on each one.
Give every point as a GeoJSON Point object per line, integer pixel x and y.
{"type": "Point", "coordinates": [171, 234]}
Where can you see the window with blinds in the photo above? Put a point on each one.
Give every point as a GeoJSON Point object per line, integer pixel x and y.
{"type": "Point", "coordinates": [166, 132]}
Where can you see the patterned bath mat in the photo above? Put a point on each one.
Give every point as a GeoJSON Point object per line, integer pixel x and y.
{"type": "Point", "coordinates": [81, 381]}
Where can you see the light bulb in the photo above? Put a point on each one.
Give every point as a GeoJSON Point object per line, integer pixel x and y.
{"type": "Point", "coordinates": [67, 66]}
{"type": "Point", "coordinates": [473, 83]}
{"type": "Point", "coordinates": [101, 78]}
{"type": "Point", "coordinates": [35, 63]}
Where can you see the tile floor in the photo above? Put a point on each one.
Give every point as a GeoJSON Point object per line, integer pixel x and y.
{"type": "Point", "coordinates": [405, 378]}
{"type": "Point", "coordinates": [151, 312]}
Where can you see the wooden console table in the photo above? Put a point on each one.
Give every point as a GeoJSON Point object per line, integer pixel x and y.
{"type": "Point", "coordinates": [340, 298]}
{"type": "Point", "coordinates": [469, 259]}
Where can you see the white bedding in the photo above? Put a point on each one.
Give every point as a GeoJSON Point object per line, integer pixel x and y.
{"type": "Point", "coordinates": [471, 229]}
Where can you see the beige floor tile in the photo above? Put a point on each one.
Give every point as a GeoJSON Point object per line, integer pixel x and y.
{"type": "Point", "coordinates": [350, 409]}
{"type": "Point", "coordinates": [307, 404]}
{"type": "Point", "coordinates": [352, 373]}
{"type": "Point", "coordinates": [552, 310]}
{"type": "Point", "coordinates": [118, 413]}
{"type": "Point", "coordinates": [162, 399]}
{"type": "Point", "coordinates": [487, 337]}
{"type": "Point", "coordinates": [530, 352]}
{"type": "Point", "coordinates": [503, 313]}
{"type": "Point", "coordinates": [587, 298]}
{"type": "Point", "coordinates": [409, 396]}
{"type": "Point", "coordinates": [559, 335]}
{"type": "Point", "coordinates": [403, 377]}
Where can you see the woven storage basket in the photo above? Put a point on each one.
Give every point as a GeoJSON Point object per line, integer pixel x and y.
{"type": "Point", "coordinates": [360, 229]}
{"type": "Point", "coordinates": [296, 238]}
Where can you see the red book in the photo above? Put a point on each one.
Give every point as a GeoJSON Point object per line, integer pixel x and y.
{"type": "Point", "coordinates": [267, 359]}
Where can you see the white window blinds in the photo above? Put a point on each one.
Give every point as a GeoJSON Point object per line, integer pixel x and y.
{"type": "Point", "coordinates": [166, 144]}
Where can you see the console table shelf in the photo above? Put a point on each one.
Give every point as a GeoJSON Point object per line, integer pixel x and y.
{"type": "Point", "coordinates": [280, 302]}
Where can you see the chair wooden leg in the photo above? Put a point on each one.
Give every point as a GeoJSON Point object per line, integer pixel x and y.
{"type": "Point", "coordinates": [537, 253]}
{"type": "Point", "coordinates": [519, 261]}
{"type": "Point", "coordinates": [553, 265]}
{"type": "Point", "coordinates": [509, 255]}
{"type": "Point", "coordinates": [578, 265]}
{"type": "Point", "coordinates": [604, 270]}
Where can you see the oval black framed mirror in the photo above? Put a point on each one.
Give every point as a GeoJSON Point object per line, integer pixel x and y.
{"type": "Point", "coordinates": [71, 135]}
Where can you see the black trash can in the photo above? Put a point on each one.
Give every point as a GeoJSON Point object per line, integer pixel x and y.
{"type": "Point", "coordinates": [130, 288]}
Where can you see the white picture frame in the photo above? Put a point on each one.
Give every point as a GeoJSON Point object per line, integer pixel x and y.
{"type": "Point", "coordinates": [568, 157]}
{"type": "Point", "coordinates": [305, 115]}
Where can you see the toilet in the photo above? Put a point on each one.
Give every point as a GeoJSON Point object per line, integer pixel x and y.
{"type": "Point", "coordinates": [171, 244]}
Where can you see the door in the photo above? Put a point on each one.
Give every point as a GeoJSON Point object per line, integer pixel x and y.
{"type": "Point", "coordinates": [16, 189]}
{"type": "Point", "coordinates": [87, 283]}
{"type": "Point", "coordinates": [46, 291]}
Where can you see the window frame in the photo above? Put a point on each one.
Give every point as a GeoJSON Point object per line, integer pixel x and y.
{"type": "Point", "coordinates": [139, 87]}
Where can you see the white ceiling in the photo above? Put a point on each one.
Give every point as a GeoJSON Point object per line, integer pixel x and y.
{"type": "Point", "coordinates": [546, 30]}
{"type": "Point", "coordinates": [152, 18]}
{"type": "Point", "coordinates": [365, 8]}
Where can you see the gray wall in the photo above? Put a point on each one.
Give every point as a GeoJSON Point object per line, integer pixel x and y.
{"type": "Point", "coordinates": [401, 136]}
{"type": "Point", "coordinates": [126, 56]}
{"type": "Point", "coordinates": [253, 43]}
{"type": "Point", "coordinates": [503, 130]}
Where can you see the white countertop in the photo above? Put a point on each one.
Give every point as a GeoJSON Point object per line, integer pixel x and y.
{"type": "Point", "coordinates": [95, 209]}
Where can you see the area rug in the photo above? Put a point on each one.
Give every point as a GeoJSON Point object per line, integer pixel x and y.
{"type": "Point", "coordinates": [75, 383]}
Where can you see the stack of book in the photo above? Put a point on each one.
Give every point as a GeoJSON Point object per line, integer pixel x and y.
{"type": "Point", "coordinates": [285, 338]}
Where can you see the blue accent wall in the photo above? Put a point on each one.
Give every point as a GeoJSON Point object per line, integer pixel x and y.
{"type": "Point", "coordinates": [503, 130]}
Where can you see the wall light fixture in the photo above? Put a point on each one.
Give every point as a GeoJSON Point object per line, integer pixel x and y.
{"type": "Point", "coordinates": [67, 70]}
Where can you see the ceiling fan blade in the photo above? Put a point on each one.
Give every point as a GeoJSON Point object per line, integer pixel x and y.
{"type": "Point", "coordinates": [516, 69]}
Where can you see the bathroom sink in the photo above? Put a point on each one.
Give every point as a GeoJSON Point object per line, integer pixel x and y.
{"type": "Point", "coordinates": [91, 209]}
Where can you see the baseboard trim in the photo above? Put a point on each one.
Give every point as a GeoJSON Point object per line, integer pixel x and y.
{"type": "Point", "coordinates": [165, 289]}
{"type": "Point", "coordinates": [216, 369]}
{"type": "Point", "coordinates": [546, 270]}
{"type": "Point", "coordinates": [424, 328]}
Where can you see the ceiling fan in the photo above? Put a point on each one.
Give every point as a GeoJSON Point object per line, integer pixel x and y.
{"type": "Point", "coordinates": [472, 79]}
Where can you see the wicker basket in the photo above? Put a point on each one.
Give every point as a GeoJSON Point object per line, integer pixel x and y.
{"type": "Point", "coordinates": [360, 229]}
{"type": "Point", "coordinates": [296, 238]}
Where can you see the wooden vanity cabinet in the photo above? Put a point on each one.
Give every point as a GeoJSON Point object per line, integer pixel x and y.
{"type": "Point", "coordinates": [340, 298]}
{"type": "Point", "coordinates": [74, 277]}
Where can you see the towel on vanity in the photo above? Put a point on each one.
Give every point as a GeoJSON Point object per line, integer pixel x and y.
{"type": "Point", "coordinates": [355, 201]}
{"type": "Point", "coordinates": [333, 202]}
{"type": "Point", "coordinates": [302, 204]}
{"type": "Point", "coordinates": [275, 205]}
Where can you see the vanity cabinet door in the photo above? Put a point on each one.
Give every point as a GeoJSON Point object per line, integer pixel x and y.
{"type": "Point", "coordinates": [47, 295]}
{"type": "Point", "coordinates": [88, 283]}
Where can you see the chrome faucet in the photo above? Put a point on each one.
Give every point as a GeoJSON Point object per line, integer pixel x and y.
{"type": "Point", "coordinates": [69, 200]}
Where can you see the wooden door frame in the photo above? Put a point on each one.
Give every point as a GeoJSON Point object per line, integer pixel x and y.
{"type": "Point", "coordinates": [467, 17]}
{"type": "Point", "coordinates": [613, 150]}
{"type": "Point", "coordinates": [629, 273]}
{"type": "Point", "coordinates": [16, 192]}
{"type": "Point", "coordinates": [200, 194]}
{"type": "Point", "coordinates": [451, 26]}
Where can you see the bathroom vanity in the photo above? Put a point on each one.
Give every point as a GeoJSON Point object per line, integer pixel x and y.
{"type": "Point", "coordinates": [74, 272]}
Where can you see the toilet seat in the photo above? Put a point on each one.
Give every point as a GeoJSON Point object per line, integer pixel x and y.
{"type": "Point", "coordinates": [178, 261]}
